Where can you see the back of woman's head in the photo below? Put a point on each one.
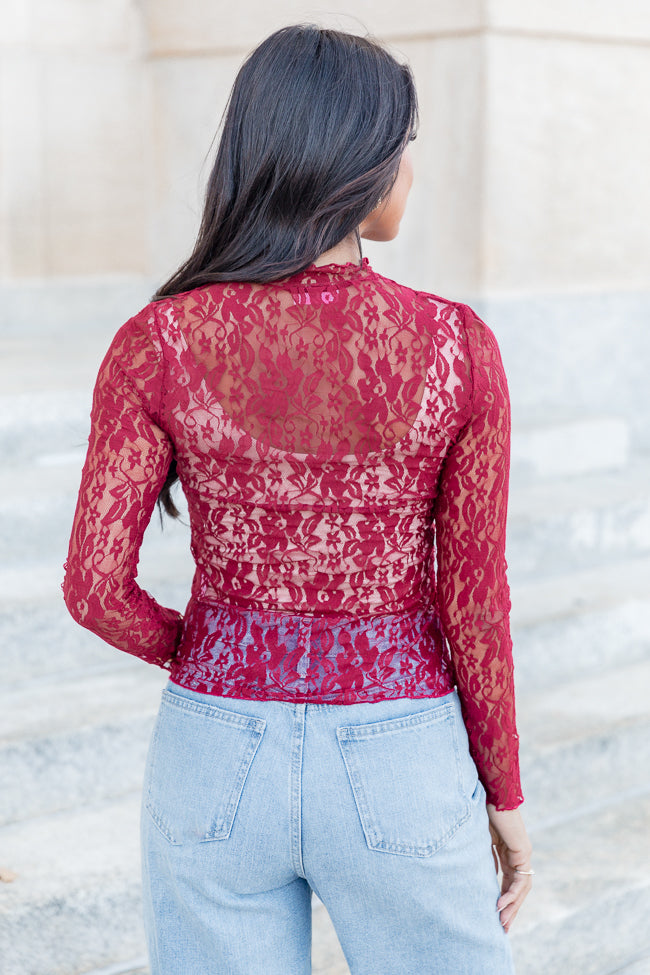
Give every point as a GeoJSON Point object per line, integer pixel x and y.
{"type": "Point", "coordinates": [311, 140]}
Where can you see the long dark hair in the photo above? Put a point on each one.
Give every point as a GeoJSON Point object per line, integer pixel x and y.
{"type": "Point", "coordinates": [311, 139]}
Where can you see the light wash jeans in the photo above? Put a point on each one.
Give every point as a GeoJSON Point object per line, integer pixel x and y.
{"type": "Point", "coordinates": [248, 806]}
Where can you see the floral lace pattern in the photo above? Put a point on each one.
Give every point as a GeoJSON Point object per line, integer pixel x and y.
{"type": "Point", "coordinates": [263, 655]}
{"type": "Point", "coordinates": [343, 445]}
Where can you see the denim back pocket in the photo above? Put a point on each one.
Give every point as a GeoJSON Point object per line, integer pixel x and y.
{"type": "Point", "coordinates": [199, 758]}
{"type": "Point", "coordinates": [407, 777]}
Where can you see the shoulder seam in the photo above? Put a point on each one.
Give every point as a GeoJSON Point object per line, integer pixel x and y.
{"type": "Point", "coordinates": [163, 363]}
{"type": "Point", "coordinates": [463, 310]}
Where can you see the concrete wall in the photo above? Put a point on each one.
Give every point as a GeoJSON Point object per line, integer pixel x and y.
{"type": "Point", "coordinates": [73, 138]}
{"type": "Point", "coordinates": [531, 163]}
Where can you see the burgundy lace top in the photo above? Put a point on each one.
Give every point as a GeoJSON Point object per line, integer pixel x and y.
{"type": "Point", "coordinates": [343, 445]}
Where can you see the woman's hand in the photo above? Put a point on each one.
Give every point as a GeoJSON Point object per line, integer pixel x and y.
{"type": "Point", "coordinates": [512, 850]}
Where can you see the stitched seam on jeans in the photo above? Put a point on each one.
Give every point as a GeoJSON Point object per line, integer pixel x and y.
{"type": "Point", "coordinates": [358, 792]}
{"type": "Point", "coordinates": [215, 712]}
{"type": "Point", "coordinates": [422, 851]}
{"type": "Point", "coordinates": [222, 828]}
{"type": "Point", "coordinates": [370, 828]}
{"type": "Point", "coordinates": [295, 787]}
{"type": "Point", "coordinates": [364, 731]}
{"type": "Point", "coordinates": [161, 826]}
{"type": "Point", "coordinates": [253, 728]}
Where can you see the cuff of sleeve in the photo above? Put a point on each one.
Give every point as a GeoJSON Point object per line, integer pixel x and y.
{"type": "Point", "coordinates": [510, 799]}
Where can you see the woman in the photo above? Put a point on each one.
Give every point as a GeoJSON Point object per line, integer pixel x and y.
{"type": "Point", "coordinates": [340, 705]}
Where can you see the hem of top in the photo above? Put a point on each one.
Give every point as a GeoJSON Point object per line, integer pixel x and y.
{"type": "Point", "coordinates": [509, 806]}
{"type": "Point", "coordinates": [261, 694]}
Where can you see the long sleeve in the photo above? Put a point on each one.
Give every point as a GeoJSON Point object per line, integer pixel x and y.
{"type": "Point", "coordinates": [126, 465]}
{"type": "Point", "coordinates": [472, 589]}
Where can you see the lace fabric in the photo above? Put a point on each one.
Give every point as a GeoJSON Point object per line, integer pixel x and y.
{"type": "Point", "coordinates": [342, 442]}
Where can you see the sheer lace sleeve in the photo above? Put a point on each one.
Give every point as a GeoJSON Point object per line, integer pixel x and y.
{"type": "Point", "coordinates": [127, 462]}
{"type": "Point", "coordinates": [473, 595]}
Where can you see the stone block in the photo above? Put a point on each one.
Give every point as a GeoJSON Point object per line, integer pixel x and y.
{"type": "Point", "coordinates": [566, 149]}
{"type": "Point", "coordinates": [584, 741]}
{"type": "Point", "coordinates": [22, 178]}
{"type": "Point", "coordinates": [97, 172]}
{"type": "Point", "coordinates": [555, 527]}
{"type": "Point", "coordinates": [587, 911]}
{"type": "Point", "coordinates": [73, 25]}
{"type": "Point", "coordinates": [188, 97]}
{"type": "Point", "coordinates": [15, 23]}
{"type": "Point", "coordinates": [628, 19]}
{"type": "Point", "coordinates": [199, 25]}
{"type": "Point", "coordinates": [575, 355]}
{"type": "Point", "coordinates": [570, 448]}
{"type": "Point", "coordinates": [581, 644]}
{"type": "Point", "coordinates": [83, 740]}
{"type": "Point", "coordinates": [437, 248]}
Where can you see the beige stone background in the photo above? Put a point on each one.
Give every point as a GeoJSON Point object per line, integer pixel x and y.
{"type": "Point", "coordinates": [531, 163]}
{"type": "Point", "coordinates": [531, 201]}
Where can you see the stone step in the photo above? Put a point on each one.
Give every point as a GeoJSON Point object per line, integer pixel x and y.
{"type": "Point", "coordinates": [563, 354]}
{"type": "Point", "coordinates": [574, 625]}
{"type": "Point", "coordinates": [584, 915]}
{"type": "Point", "coordinates": [581, 623]}
{"type": "Point", "coordinates": [41, 641]}
{"type": "Point", "coordinates": [37, 504]}
{"type": "Point", "coordinates": [326, 955]}
{"type": "Point", "coordinates": [570, 921]}
{"type": "Point", "coordinates": [61, 317]}
{"type": "Point", "coordinates": [37, 426]}
{"type": "Point", "coordinates": [568, 448]}
{"type": "Point", "coordinates": [43, 427]}
{"type": "Point", "coordinates": [71, 742]}
{"type": "Point", "coordinates": [33, 359]}
{"type": "Point", "coordinates": [640, 966]}
{"type": "Point", "coordinates": [573, 524]}
{"type": "Point", "coordinates": [75, 903]}
{"type": "Point", "coordinates": [588, 910]}
{"type": "Point", "coordinates": [585, 741]}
